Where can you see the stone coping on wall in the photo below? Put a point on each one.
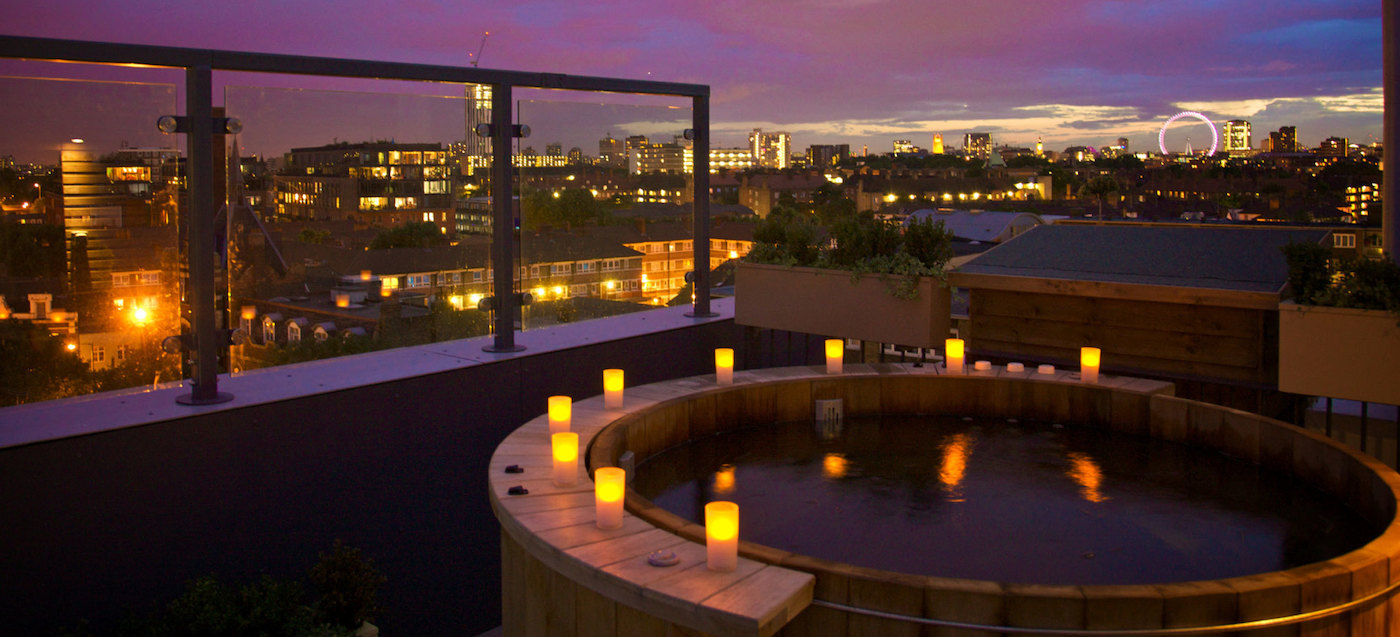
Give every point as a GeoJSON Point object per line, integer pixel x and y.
{"type": "Point", "coordinates": [663, 415]}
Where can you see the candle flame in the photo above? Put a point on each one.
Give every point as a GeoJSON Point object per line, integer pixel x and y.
{"type": "Point", "coordinates": [723, 529]}
{"type": "Point", "coordinates": [609, 491]}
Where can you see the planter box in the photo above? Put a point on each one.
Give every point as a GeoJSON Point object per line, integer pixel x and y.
{"type": "Point", "coordinates": [828, 303]}
{"type": "Point", "coordinates": [1339, 353]}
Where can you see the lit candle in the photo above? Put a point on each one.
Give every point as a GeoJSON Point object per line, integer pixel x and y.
{"type": "Point", "coordinates": [835, 351]}
{"type": "Point", "coordinates": [366, 275]}
{"type": "Point", "coordinates": [722, 536]}
{"type": "Point", "coordinates": [342, 300]}
{"type": "Point", "coordinates": [565, 446]}
{"type": "Point", "coordinates": [249, 312]}
{"type": "Point", "coordinates": [560, 413]}
{"type": "Point", "coordinates": [609, 486]}
{"type": "Point", "coordinates": [724, 366]}
{"type": "Point", "coordinates": [953, 356]}
{"type": "Point", "coordinates": [612, 388]}
{"type": "Point", "coordinates": [1089, 364]}
{"type": "Point", "coordinates": [1045, 370]}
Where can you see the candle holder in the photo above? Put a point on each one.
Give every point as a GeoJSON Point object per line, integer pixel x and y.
{"type": "Point", "coordinates": [612, 388]}
{"type": "Point", "coordinates": [724, 366]}
{"type": "Point", "coordinates": [722, 536]}
{"type": "Point", "coordinates": [609, 489]}
{"type": "Point", "coordinates": [835, 352]}
{"type": "Point", "coordinates": [565, 447]}
{"type": "Point", "coordinates": [561, 414]}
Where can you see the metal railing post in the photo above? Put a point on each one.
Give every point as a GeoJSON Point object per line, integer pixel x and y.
{"type": "Point", "coordinates": [1390, 180]}
{"type": "Point", "coordinates": [199, 112]}
{"type": "Point", "coordinates": [700, 247]}
{"type": "Point", "coordinates": [505, 304]}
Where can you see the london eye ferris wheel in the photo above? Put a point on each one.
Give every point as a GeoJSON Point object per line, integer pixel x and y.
{"type": "Point", "coordinates": [1214, 134]}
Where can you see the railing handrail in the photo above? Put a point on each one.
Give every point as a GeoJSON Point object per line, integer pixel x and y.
{"type": "Point", "coordinates": [219, 60]}
{"type": "Point", "coordinates": [204, 338]}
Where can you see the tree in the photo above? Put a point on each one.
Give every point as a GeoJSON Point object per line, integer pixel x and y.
{"type": "Point", "coordinates": [570, 207]}
{"type": "Point", "coordinates": [35, 365]}
{"type": "Point", "coordinates": [414, 234]}
{"type": "Point", "coordinates": [31, 250]}
{"type": "Point", "coordinates": [348, 584]}
{"type": "Point", "coordinates": [317, 237]}
{"type": "Point", "coordinates": [144, 365]}
{"type": "Point", "coordinates": [1099, 188]}
{"type": "Point", "coordinates": [1027, 161]}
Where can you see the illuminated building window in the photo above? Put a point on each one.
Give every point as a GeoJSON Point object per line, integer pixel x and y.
{"type": "Point", "coordinates": [1344, 240]}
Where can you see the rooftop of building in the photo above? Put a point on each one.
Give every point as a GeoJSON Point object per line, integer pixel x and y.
{"type": "Point", "coordinates": [1247, 259]}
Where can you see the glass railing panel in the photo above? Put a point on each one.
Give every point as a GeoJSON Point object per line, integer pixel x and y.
{"type": "Point", "coordinates": [604, 208]}
{"type": "Point", "coordinates": [89, 258]}
{"type": "Point", "coordinates": [357, 220]}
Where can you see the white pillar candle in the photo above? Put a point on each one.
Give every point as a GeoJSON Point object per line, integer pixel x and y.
{"type": "Point", "coordinates": [609, 488]}
{"type": "Point", "coordinates": [724, 366]}
{"type": "Point", "coordinates": [612, 388]}
{"type": "Point", "coordinates": [835, 352]}
{"type": "Point", "coordinates": [953, 355]}
{"type": "Point", "coordinates": [1089, 364]}
{"type": "Point", "coordinates": [561, 410]}
{"type": "Point", "coordinates": [565, 445]}
{"type": "Point", "coordinates": [722, 536]}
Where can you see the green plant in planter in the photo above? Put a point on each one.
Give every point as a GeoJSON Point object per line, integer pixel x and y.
{"type": "Point", "coordinates": [1317, 279]}
{"type": "Point", "coordinates": [786, 237]}
{"type": "Point", "coordinates": [858, 243]}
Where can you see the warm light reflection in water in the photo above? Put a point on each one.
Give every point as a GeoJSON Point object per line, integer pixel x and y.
{"type": "Point", "coordinates": [724, 479]}
{"type": "Point", "coordinates": [834, 466]}
{"type": "Point", "coordinates": [956, 449]}
{"type": "Point", "coordinates": [1086, 472]}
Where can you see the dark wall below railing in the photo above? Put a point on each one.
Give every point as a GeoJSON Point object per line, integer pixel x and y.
{"type": "Point", "coordinates": [96, 525]}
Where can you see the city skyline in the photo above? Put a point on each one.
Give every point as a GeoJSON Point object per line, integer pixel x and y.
{"type": "Point", "coordinates": [862, 72]}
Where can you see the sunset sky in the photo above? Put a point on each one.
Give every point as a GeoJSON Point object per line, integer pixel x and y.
{"type": "Point", "coordinates": [863, 72]}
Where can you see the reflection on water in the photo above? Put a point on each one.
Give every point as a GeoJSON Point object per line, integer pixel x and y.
{"type": "Point", "coordinates": [1084, 471]}
{"type": "Point", "coordinates": [834, 466]}
{"type": "Point", "coordinates": [956, 449]}
{"type": "Point", "coordinates": [724, 480]}
{"type": "Point", "coordinates": [1014, 502]}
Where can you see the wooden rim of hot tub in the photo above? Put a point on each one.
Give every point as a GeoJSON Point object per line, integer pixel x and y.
{"type": "Point", "coordinates": [554, 527]}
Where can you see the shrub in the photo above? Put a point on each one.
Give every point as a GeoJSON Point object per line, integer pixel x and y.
{"type": "Point", "coordinates": [859, 243]}
{"type": "Point", "coordinates": [1316, 279]}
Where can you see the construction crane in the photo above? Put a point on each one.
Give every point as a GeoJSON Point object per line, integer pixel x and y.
{"type": "Point", "coordinates": [476, 59]}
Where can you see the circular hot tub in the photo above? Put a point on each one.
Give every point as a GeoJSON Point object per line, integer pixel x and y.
{"type": "Point", "coordinates": [1343, 591]}
{"type": "Point", "coordinates": [1005, 500]}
